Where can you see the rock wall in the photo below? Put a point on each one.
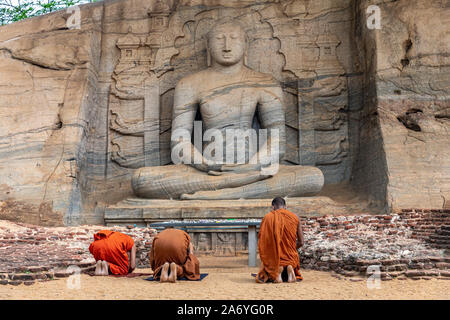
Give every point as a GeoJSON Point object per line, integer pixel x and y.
{"type": "Point", "coordinates": [82, 108]}
{"type": "Point", "coordinates": [369, 174]}
{"type": "Point", "coordinates": [48, 80]}
{"type": "Point", "coordinates": [413, 90]}
{"type": "Point", "coordinates": [405, 119]}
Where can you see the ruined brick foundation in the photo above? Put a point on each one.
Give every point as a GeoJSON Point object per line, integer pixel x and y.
{"type": "Point", "coordinates": [31, 253]}
{"type": "Point", "coordinates": [409, 244]}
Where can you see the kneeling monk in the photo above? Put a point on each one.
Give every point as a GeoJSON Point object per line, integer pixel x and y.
{"type": "Point", "coordinates": [172, 249]}
{"type": "Point", "coordinates": [280, 235]}
{"type": "Point", "coordinates": [114, 252]}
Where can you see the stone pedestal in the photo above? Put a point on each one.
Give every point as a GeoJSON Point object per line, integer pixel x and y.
{"type": "Point", "coordinates": [145, 211]}
{"type": "Point", "coordinates": [216, 240]}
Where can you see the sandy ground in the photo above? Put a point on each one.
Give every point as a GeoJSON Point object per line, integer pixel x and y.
{"type": "Point", "coordinates": [229, 278]}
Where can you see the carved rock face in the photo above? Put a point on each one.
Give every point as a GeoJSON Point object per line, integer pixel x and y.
{"type": "Point", "coordinates": [227, 44]}
{"type": "Point", "coordinates": [78, 114]}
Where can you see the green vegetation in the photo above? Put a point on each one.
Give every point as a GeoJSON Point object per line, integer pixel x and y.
{"type": "Point", "coordinates": [15, 10]}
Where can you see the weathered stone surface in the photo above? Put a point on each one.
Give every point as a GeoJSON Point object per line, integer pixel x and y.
{"type": "Point", "coordinates": [143, 211]}
{"type": "Point", "coordinates": [47, 75]}
{"type": "Point", "coordinates": [406, 105]}
{"type": "Point", "coordinates": [81, 109]}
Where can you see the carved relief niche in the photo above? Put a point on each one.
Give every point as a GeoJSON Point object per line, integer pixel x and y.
{"type": "Point", "coordinates": [134, 103]}
{"type": "Point", "coordinates": [310, 50]}
{"type": "Point", "coordinates": [220, 243]}
{"type": "Point", "coordinates": [289, 39]}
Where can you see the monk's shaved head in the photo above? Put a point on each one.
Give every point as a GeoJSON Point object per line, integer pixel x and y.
{"type": "Point", "coordinates": [278, 203]}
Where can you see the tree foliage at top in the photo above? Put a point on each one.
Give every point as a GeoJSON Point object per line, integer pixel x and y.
{"type": "Point", "coordinates": [16, 10]}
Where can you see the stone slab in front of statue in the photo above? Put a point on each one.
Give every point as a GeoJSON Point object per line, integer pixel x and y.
{"type": "Point", "coordinates": [145, 211]}
{"type": "Point", "coordinates": [223, 241]}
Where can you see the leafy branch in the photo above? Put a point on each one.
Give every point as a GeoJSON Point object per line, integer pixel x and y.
{"type": "Point", "coordinates": [16, 10]}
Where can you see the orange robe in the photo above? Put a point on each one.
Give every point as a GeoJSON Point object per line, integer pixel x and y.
{"type": "Point", "coordinates": [112, 247]}
{"type": "Point", "coordinates": [277, 244]}
{"type": "Point", "coordinates": [172, 245]}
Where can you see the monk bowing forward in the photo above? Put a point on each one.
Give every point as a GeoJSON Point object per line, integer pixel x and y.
{"type": "Point", "coordinates": [172, 256]}
{"type": "Point", "coordinates": [114, 252]}
{"type": "Point", "coordinates": [280, 235]}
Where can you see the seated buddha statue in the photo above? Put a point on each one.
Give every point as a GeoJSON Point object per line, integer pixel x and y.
{"type": "Point", "coordinates": [227, 95]}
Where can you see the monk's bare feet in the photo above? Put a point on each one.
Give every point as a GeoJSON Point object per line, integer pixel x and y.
{"type": "Point", "coordinates": [173, 272]}
{"type": "Point", "coordinates": [165, 272]}
{"type": "Point", "coordinates": [291, 274]}
{"type": "Point", "coordinates": [99, 268]}
{"type": "Point", "coordinates": [105, 268]}
{"type": "Point", "coordinates": [279, 279]}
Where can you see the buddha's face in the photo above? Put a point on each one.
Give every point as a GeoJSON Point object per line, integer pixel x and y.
{"type": "Point", "coordinates": [227, 44]}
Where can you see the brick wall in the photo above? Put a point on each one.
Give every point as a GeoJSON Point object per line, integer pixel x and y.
{"type": "Point", "coordinates": [31, 253]}
{"type": "Point", "coordinates": [410, 243]}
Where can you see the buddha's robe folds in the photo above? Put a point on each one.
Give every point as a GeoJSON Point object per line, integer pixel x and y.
{"type": "Point", "coordinates": [112, 247]}
{"type": "Point", "coordinates": [277, 244]}
{"type": "Point", "coordinates": [172, 245]}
